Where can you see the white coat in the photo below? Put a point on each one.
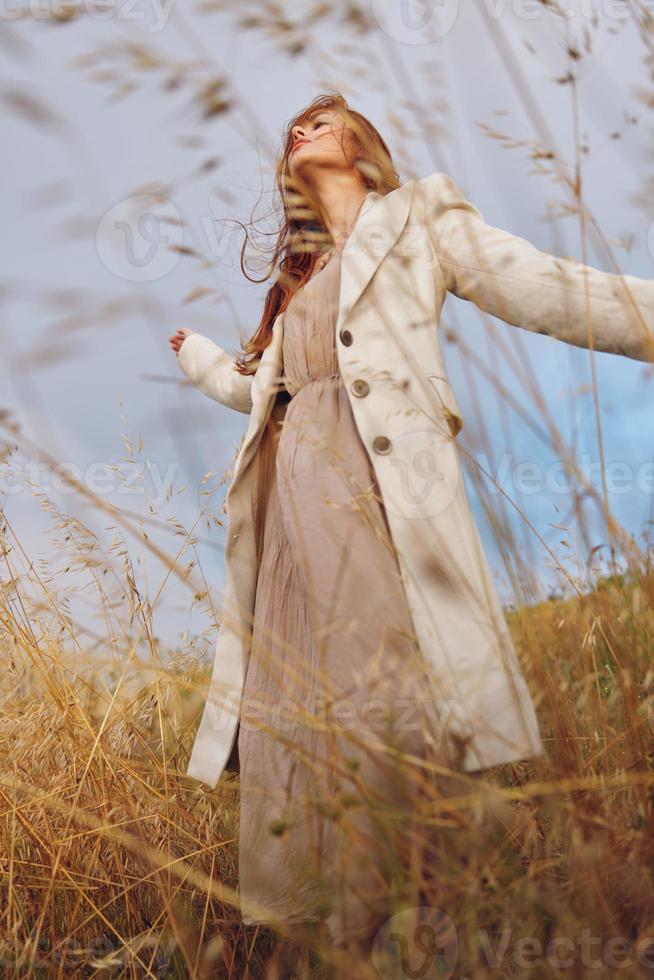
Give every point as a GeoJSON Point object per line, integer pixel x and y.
{"type": "Point", "coordinates": [406, 250]}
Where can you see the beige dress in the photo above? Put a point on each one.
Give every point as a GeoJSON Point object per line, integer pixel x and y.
{"type": "Point", "coordinates": [334, 682]}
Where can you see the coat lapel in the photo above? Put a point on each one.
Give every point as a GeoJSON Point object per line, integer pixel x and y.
{"type": "Point", "coordinates": [379, 225]}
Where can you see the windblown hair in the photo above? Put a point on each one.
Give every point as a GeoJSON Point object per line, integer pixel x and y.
{"type": "Point", "coordinates": [303, 236]}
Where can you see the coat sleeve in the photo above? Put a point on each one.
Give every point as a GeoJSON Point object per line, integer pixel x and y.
{"type": "Point", "coordinates": [211, 369]}
{"type": "Point", "coordinates": [509, 278]}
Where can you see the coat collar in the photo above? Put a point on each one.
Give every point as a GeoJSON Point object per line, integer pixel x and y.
{"type": "Point", "coordinates": [379, 224]}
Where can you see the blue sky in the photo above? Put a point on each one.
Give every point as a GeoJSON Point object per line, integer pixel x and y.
{"type": "Point", "coordinates": [105, 376]}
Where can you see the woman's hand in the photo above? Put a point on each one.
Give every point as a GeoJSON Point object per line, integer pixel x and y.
{"type": "Point", "coordinates": [178, 339]}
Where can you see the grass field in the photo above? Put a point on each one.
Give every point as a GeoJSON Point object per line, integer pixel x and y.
{"type": "Point", "coordinates": [115, 863]}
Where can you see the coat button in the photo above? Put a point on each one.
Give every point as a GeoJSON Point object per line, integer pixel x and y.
{"type": "Point", "coordinates": [346, 337]}
{"type": "Point", "coordinates": [360, 388]}
{"type": "Point", "coordinates": [381, 444]}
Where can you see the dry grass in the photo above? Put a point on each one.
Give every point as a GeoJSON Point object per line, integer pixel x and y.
{"type": "Point", "coordinates": [113, 860]}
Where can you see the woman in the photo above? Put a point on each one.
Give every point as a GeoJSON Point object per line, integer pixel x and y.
{"type": "Point", "coordinates": [363, 654]}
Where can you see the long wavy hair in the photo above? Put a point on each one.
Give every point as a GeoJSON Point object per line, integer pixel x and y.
{"type": "Point", "coordinates": [302, 236]}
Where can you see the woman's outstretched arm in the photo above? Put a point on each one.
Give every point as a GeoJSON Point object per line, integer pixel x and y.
{"type": "Point", "coordinates": [211, 369]}
{"type": "Point", "coordinates": [509, 278]}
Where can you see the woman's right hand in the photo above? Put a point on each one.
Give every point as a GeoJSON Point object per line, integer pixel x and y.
{"type": "Point", "coordinates": [178, 339]}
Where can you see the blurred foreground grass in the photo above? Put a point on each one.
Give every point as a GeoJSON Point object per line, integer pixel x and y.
{"type": "Point", "coordinates": [114, 863]}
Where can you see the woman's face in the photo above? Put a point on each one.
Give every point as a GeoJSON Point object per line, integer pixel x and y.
{"type": "Point", "coordinates": [326, 142]}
